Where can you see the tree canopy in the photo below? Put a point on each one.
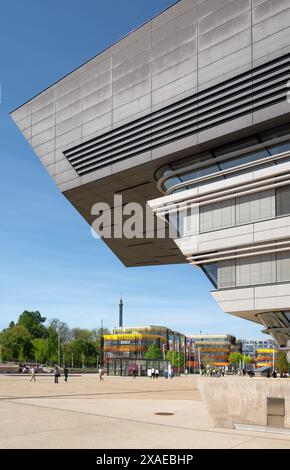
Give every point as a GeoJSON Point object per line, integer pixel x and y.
{"type": "Point", "coordinates": [153, 352]}
{"type": "Point", "coordinates": [33, 338]}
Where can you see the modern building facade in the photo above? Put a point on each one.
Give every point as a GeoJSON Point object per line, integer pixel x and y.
{"type": "Point", "coordinates": [249, 347]}
{"type": "Point", "coordinates": [213, 349]}
{"type": "Point", "coordinates": [125, 349]}
{"type": "Point", "coordinates": [266, 357]}
{"type": "Point", "coordinates": [189, 113]}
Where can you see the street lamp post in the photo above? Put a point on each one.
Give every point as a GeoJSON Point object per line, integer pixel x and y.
{"type": "Point", "coordinates": [58, 343]}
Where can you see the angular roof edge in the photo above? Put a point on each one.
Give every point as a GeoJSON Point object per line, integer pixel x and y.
{"type": "Point", "coordinates": [99, 53]}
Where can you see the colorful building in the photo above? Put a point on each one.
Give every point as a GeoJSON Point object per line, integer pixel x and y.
{"type": "Point", "coordinates": [124, 350]}
{"type": "Point", "coordinates": [266, 357]}
{"type": "Point", "coordinates": [212, 349]}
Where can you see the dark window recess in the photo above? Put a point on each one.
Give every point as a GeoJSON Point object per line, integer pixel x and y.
{"type": "Point", "coordinates": [211, 272]}
{"type": "Point", "coordinates": [250, 91]}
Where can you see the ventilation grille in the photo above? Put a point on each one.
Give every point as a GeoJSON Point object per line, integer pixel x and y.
{"type": "Point", "coordinates": [250, 91]}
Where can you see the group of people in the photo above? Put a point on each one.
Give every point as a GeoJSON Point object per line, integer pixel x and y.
{"type": "Point", "coordinates": [56, 373]}
{"type": "Point", "coordinates": [283, 375]}
{"type": "Point", "coordinates": [153, 373]}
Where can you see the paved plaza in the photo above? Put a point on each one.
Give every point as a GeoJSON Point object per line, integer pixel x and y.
{"type": "Point", "coordinates": [117, 413]}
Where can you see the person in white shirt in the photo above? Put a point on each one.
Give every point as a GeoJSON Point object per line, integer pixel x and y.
{"type": "Point", "coordinates": [33, 372]}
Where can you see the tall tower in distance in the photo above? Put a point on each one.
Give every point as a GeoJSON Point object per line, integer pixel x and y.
{"type": "Point", "coordinates": [121, 313]}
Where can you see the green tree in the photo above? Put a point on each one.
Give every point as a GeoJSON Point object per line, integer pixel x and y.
{"type": "Point", "coordinates": [235, 357]}
{"type": "Point", "coordinates": [18, 340]}
{"type": "Point", "coordinates": [34, 323]}
{"type": "Point", "coordinates": [153, 352]}
{"type": "Point", "coordinates": [282, 364]}
{"type": "Point", "coordinates": [81, 349]}
{"type": "Point", "coordinates": [176, 358]}
{"type": "Point", "coordinates": [41, 349]}
{"type": "Point", "coordinates": [247, 359]}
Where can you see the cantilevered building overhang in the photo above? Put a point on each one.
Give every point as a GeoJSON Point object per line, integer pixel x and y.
{"type": "Point", "coordinates": [174, 109]}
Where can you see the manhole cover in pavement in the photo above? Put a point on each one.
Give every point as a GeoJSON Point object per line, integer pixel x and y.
{"type": "Point", "coordinates": [161, 413]}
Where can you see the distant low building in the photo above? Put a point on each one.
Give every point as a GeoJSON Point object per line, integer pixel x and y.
{"type": "Point", "coordinates": [213, 349]}
{"type": "Point", "coordinates": [266, 357]}
{"type": "Point", "coordinates": [125, 348]}
{"type": "Point", "coordinates": [249, 347]}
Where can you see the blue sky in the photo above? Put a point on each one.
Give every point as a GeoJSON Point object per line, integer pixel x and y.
{"type": "Point", "coordinates": [49, 260]}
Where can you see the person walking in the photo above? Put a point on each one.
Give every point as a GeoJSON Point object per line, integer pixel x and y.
{"type": "Point", "coordinates": [134, 373]}
{"type": "Point", "coordinates": [33, 372]}
{"type": "Point", "coordinates": [65, 372]}
{"type": "Point", "coordinates": [156, 373]}
{"type": "Point", "coordinates": [153, 373]}
{"type": "Point", "coordinates": [186, 372]}
{"type": "Point", "coordinates": [101, 374]}
{"type": "Point", "coordinates": [56, 374]}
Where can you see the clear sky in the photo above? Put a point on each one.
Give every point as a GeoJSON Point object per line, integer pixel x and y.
{"type": "Point", "coordinates": [49, 260]}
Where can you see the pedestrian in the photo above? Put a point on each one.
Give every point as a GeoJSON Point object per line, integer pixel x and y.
{"type": "Point", "coordinates": [56, 374]}
{"type": "Point", "coordinates": [153, 373]}
{"type": "Point", "coordinates": [101, 373]}
{"type": "Point", "coordinates": [134, 373]}
{"type": "Point", "coordinates": [156, 373]}
{"type": "Point", "coordinates": [186, 372]}
{"type": "Point", "coordinates": [33, 372]}
{"type": "Point", "coordinates": [65, 371]}
{"type": "Point", "coordinates": [274, 374]}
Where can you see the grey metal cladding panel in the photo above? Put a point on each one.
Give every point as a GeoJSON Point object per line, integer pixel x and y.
{"type": "Point", "coordinates": [45, 98]}
{"type": "Point", "coordinates": [225, 49]}
{"type": "Point", "coordinates": [69, 124]}
{"type": "Point", "coordinates": [172, 13]}
{"type": "Point", "coordinates": [131, 64]}
{"type": "Point", "coordinates": [230, 12]}
{"type": "Point", "coordinates": [271, 47]}
{"type": "Point", "coordinates": [68, 99]}
{"type": "Point", "coordinates": [207, 7]}
{"type": "Point", "coordinates": [103, 95]}
{"type": "Point", "coordinates": [269, 8]}
{"type": "Point", "coordinates": [68, 84]}
{"type": "Point", "coordinates": [131, 79]}
{"type": "Point", "coordinates": [96, 126]}
{"type": "Point", "coordinates": [225, 68]}
{"type": "Point", "coordinates": [68, 112]}
{"type": "Point", "coordinates": [131, 102]}
{"type": "Point", "coordinates": [179, 89]}
{"type": "Point", "coordinates": [96, 67]}
{"type": "Point", "coordinates": [271, 25]}
{"type": "Point", "coordinates": [179, 54]}
{"type": "Point", "coordinates": [180, 29]}
{"type": "Point", "coordinates": [42, 113]}
{"type": "Point", "coordinates": [133, 49]}
{"type": "Point", "coordinates": [177, 71]}
{"type": "Point", "coordinates": [261, 87]}
{"type": "Point", "coordinates": [229, 30]}
{"type": "Point", "coordinates": [100, 81]}
{"type": "Point", "coordinates": [43, 125]}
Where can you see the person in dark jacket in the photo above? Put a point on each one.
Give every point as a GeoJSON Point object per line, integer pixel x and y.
{"type": "Point", "coordinates": [65, 372]}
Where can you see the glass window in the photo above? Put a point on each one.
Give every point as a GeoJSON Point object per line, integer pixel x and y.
{"type": "Point", "coordinates": [210, 270]}
{"type": "Point", "coordinates": [226, 274]}
{"type": "Point", "coordinates": [246, 158]}
{"type": "Point", "coordinates": [283, 200]}
{"type": "Point", "coordinates": [283, 266]}
{"type": "Point", "coordinates": [235, 146]}
{"type": "Point", "coordinates": [279, 148]}
{"type": "Point", "coordinates": [199, 173]}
